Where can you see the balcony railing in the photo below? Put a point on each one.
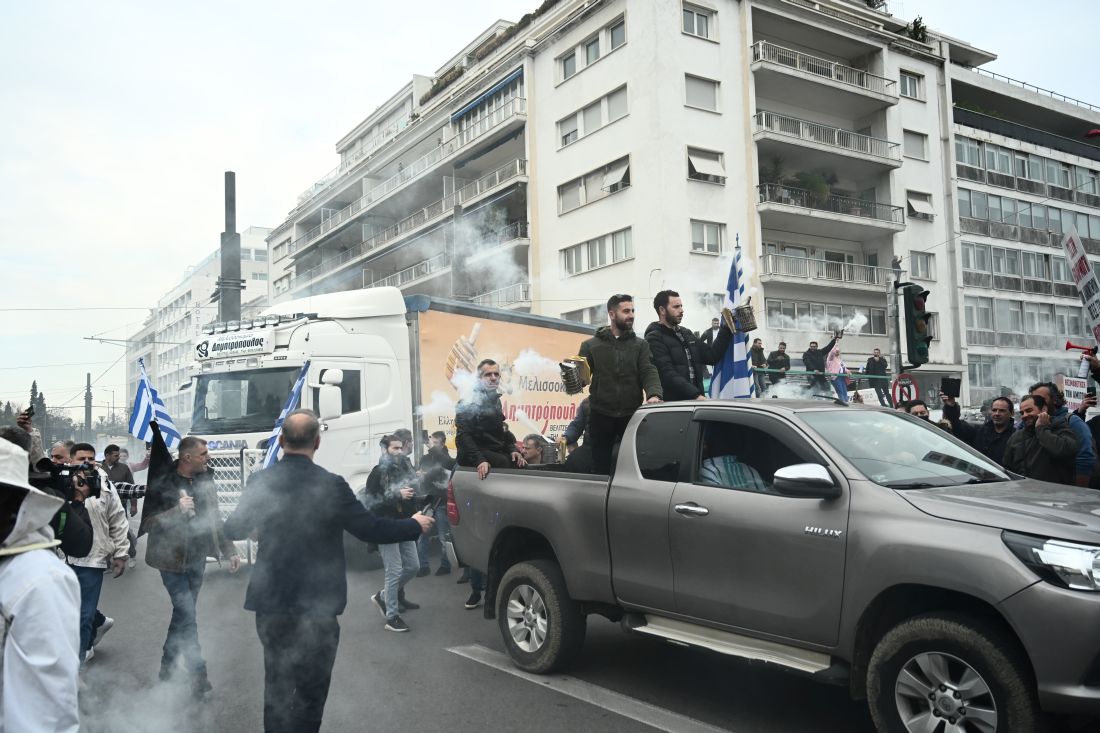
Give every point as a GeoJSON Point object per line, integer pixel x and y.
{"type": "Point", "coordinates": [780, 194]}
{"type": "Point", "coordinates": [764, 51]}
{"type": "Point", "coordinates": [419, 271]}
{"type": "Point", "coordinates": [518, 293]}
{"type": "Point", "coordinates": [815, 269]}
{"type": "Point", "coordinates": [438, 210]}
{"type": "Point", "coordinates": [833, 136]}
{"type": "Point", "coordinates": [407, 173]}
{"type": "Point", "coordinates": [351, 159]}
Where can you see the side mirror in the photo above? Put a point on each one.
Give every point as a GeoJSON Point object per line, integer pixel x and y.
{"type": "Point", "coordinates": [333, 376]}
{"type": "Point", "coordinates": [328, 402]}
{"type": "Point", "coordinates": [807, 480]}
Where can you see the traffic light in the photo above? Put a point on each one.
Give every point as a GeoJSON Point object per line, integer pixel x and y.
{"type": "Point", "coordinates": [918, 324]}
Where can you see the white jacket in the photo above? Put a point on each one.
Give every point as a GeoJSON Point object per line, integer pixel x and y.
{"type": "Point", "coordinates": [39, 626]}
{"type": "Point", "coordinates": [109, 528]}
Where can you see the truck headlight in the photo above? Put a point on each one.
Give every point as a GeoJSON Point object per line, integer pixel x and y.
{"type": "Point", "coordinates": [1063, 563]}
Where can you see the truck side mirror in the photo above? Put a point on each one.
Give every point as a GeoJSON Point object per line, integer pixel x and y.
{"type": "Point", "coordinates": [807, 480]}
{"type": "Point", "coordinates": [333, 376]}
{"type": "Point", "coordinates": [328, 402]}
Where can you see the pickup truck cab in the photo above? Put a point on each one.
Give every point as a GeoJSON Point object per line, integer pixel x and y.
{"type": "Point", "coordinates": [858, 545]}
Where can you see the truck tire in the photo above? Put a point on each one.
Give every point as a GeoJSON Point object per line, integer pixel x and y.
{"type": "Point", "coordinates": [953, 669]}
{"type": "Point", "coordinates": [543, 628]}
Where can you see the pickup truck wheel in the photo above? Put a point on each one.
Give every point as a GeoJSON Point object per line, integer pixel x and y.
{"type": "Point", "coordinates": [951, 674]}
{"type": "Point", "coordinates": [543, 628]}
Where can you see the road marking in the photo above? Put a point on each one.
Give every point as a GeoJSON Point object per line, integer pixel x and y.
{"type": "Point", "coordinates": [601, 697]}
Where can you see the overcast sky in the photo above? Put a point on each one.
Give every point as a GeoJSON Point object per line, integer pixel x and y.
{"type": "Point", "coordinates": [119, 118]}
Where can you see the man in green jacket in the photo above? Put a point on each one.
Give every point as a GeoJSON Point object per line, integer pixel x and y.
{"type": "Point", "coordinates": [622, 368]}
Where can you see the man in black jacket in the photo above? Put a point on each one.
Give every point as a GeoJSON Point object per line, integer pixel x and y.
{"type": "Point", "coordinates": [435, 469]}
{"type": "Point", "coordinates": [876, 365]}
{"type": "Point", "coordinates": [680, 358]}
{"type": "Point", "coordinates": [759, 361]}
{"type": "Point", "coordinates": [779, 360]}
{"type": "Point", "coordinates": [813, 360]}
{"type": "Point", "coordinates": [1045, 447]}
{"type": "Point", "coordinates": [482, 439]}
{"type": "Point", "coordinates": [299, 585]}
{"type": "Point", "coordinates": [991, 438]}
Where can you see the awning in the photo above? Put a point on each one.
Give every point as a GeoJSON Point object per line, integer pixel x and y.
{"type": "Point", "coordinates": [706, 167]}
{"type": "Point", "coordinates": [615, 174]}
{"type": "Point", "coordinates": [920, 206]}
{"type": "Point", "coordinates": [488, 93]}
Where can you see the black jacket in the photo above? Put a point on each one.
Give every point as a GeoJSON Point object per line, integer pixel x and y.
{"type": "Point", "coordinates": [435, 468]}
{"type": "Point", "coordinates": [382, 494]}
{"type": "Point", "coordinates": [300, 512]}
{"type": "Point", "coordinates": [984, 438]}
{"type": "Point", "coordinates": [175, 540]}
{"type": "Point", "coordinates": [479, 426]}
{"type": "Point", "coordinates": [1046, 454]}
{"type": "Point", "coordinates": [877, 367]}
{"type": "Point", "coordinates": [813, 360]}
{"type": "Point", "coordinates": [578, 426]}
{"type": "Point", "coordinates": [622, 369]}
{"type": "Point", "coordinates": [671, 358]}
{"type": "Point", "coordinates": [778, 360]}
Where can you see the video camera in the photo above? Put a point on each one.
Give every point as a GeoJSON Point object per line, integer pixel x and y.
{"type": "Point", "coordinates": [58, 479]}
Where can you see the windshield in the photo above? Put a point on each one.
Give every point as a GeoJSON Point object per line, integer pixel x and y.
{"type": "Point", "coordinates": [241, 402]}
{"type": "Point", "coordinates": [901, 452]}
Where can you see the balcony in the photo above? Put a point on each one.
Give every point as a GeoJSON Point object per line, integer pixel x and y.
{"type": "Point", "coordinates": [352, 159]}
{"type": "Point", "coordinates": [513, 295]}
{"type": "Point", "coordinates": [417, 221]}
{"type": "Point", "coordinates": [498, 119]}
{"type": "Point", "coordinates": [821, 146]}
{"type": "Point", "coordinates": [495, 243]}
{"type": "Point", "coordinates": [804, 270]}
{"type": "Point", "coordinates": [817, 83]}
{"type": "Point", "coordinates": [798, 210]}
{"type": "Point", "coordinates": [419, 272]}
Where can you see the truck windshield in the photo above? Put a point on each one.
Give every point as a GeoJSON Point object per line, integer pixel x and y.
{"type": "Point", "coordinates": [241, 402]}
{"type": "Point", "coordinates": [900, 452]}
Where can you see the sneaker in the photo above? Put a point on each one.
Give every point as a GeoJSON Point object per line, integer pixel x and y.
{"type": "Point", "coordinates": [473, 601]}
{"type": "Point", "coordinates": [404, 604]}
{"type": "Point", "coordinates": [423, 572]}
{"type": "Point", "coordinates": [200, 685]}
{"type": "Point", "coordinates": [443, 571]}
{"type": "Point", "coordinates": [131, 563]}
{"type": "Point", "coordinates": [394, 623]}
{"type": "Point", "coordinates": [88, 655]}
{"type": "Point", "coordinates": [102, 630]}
{"type": "Point", "coordinates": [380, 602]}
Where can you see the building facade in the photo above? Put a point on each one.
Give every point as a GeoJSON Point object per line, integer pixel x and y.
{"type": "Point", "coordinates": [612, 146]}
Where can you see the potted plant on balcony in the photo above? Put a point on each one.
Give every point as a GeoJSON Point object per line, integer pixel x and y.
{"type": "Point", "coordinates": [816, 186]}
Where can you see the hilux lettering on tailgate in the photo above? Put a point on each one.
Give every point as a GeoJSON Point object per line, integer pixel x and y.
{"type": "Point", "coordinates": [823, 531]}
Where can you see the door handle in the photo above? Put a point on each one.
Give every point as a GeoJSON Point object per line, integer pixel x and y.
{"type": "Point", "coordinates": [692, 509]}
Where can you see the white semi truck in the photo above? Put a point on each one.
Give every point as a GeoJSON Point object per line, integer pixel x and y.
{"type": "Point", "coordinates": [378, 362]}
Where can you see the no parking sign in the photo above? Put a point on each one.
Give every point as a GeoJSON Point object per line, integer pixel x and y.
{"type": "Point", "coordinates": [904, 388]}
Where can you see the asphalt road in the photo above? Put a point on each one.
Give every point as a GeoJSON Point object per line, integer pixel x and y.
{"type": "Point", "coordinates": [449, 673]}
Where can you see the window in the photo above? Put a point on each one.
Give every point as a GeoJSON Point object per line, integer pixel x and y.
{"type": "Point", "coordinates": [980, 370]}
{"type": "Point", "coordinates": [260, 255]}
{"type": "Point", "coordinates": [965, 209]}
{"type": "Point", "coordinates": [259, 276]}
{"type": "Point", "coordinates": [1068, 320]}
{"type": "Point", "coordinates": [351, 395]}
{"type": "Point", "coordinates": [618, 34]}
{"type": "Point", "coordinates": [922, 265]}
{"type": "Point", "coordinates": [792, 315]}
{"type": "Point", "coordinates": [594, 185]}
{"type": "Point", "coordinates": [616, 104]}
{"type": "Point", "coordinates": [1059, 271]}
{"type": "Point", "coordinates": [1038, 216]}
{"type": "Point", "coordinates": [919, 205]}
{"type": "Point", "coordinates": [567, 130]}
{"type": "Point", "coordinates": [1057, 174]}
{"type": "Point", "coordinates": [1009, 315]}
{"type": "Point", "coordinates": [998, 160]}
{"type": "Point", "coordinates": [697, 21]}
{"type": "Point", "coordinates": [1024, 216]}
{"type": "Point", "coordinates": [1087, 181]}
{"type": "Point", "coordinates": [707, 236]}
{"type": "Point", "coordinates": [1034, 265]}
{"type": "Point", "coordinates": [596, 314]}
{"type": "Point", "coordinates": [661, 442]}
{"type": "Point", "coordinates": [1008, 210]}
{"type": "Point", "coordinates": [701, 93]}
{"type": "Point", "coordinates": [281, 250]}
{"type": "Point", "coordinates": [978, 204]}
{"type": "Point", "coordinates": [569, 196]}
{"type": "Point", "coordinates": [979, 313]}
{"type": "Point", "coordinates": [593, 117]}
{"type": "Point", "coordinates": [568, 65]}
{"type": "Point", "coordinates": [1054, 219]}
{"type": "Point", "coordinates": [592, 51]}
{"type": "Point", "coordinates": [1038, 318]}
{"type": "Point", "coordinates": [705, 165]}
{"type": "Point", "coordinates": [599, 252]}
{"type": "Point", "coordinates": [741, 457]}
{"type": "Point", "coordinates": [994, 208]}
{"type": "Point", "coordinates": [912, 85]}
{"type": "Point", "coordinates": [1006, 261]}
{"type": "Point", "coordinates": [976, 257]}
{"type": "Point", "coordinates": [915, 144]}
{"type": "Point", "coordinates": [968, 152]}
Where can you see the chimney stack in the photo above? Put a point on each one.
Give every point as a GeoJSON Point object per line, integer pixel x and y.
{"type": "Point", "coordinates": [230, 283]}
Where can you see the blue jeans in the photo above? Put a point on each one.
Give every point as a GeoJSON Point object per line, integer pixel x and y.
{"type": "Point", "coordinates": [477, 581]}
{"type": "Point", "coordinates": [401, 563]}
{"type": "Point", "coordinates": [442, 529]}
{"type": "Point", "coordinates": [91, 584]}
{"type": "Point", "coordinates": [841, 385]}
{"type": "Point", "coordinates": [182, 641]}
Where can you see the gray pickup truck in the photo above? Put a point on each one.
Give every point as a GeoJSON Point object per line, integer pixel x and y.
{"type": "Point", "coordinates": [857, 545]}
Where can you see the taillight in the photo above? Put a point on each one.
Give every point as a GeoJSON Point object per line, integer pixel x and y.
{"type": "Point", "coordinates": [452, 505]}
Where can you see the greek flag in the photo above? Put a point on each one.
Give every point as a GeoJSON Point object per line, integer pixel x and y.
{"type": "Point", "coordinates": [149, 408]}
{"type": "Point", "coordinates": [273, 448]}
{"type": "Point", "coordinates": [733, 375]}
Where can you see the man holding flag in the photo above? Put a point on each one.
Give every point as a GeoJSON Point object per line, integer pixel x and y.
{"type": "Point", "coordinates": [733, 373]}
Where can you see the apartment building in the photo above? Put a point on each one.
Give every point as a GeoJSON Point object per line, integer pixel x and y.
{"type": "Point", "coordinates": [611, 146]}
{"type": "Point", "coordinates": [167, 338]}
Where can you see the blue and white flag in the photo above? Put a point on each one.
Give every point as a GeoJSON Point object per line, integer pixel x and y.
{"type": "Point", "coordinates": [273, 448]}
{"type": "Point", "coordinates": [148, 407]}
{"type": "Point", "coordinates": [733, 374]}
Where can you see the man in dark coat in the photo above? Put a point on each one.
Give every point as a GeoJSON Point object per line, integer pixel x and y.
{"type": "Point", "coordinates": [813, 361]}
{"type": "Point", "coordinates": [622, 370]}
{"type": "Point", "coordinates": [1045, 447]}
{"type": "Point", "coordinates": [299, 584]}
{"type": "Point", "coordinates": [991, 438]}
{"type": "Point", "coordinates": [779, 360]}
{"type": "Point", "coordinates": [759, 361]}
{"type": "Point", "coordinates": [876, 366]}
{"type": "Point", "coordinates": [680, 358]}
{"type": "Point", "coordinates": [482, 438]}
{"type": "Point", "coordinates": [435, 469]}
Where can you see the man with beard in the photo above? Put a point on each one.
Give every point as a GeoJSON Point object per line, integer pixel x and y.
{"type": "Point", "coordinates": [877, 366]}
{"type": "Point", "coordinates": [1045, 447]}
{"type": "Point", "coordinates": [435, 469]}
{"type": "Point", "coordinates": [622, 369]}
{"type": "Point", "coordinates": [1085, 460]}
{"type": "Point", "coordinates": [680, 358]}
{"type": "Point", "coordinates": [780, 361]}
{"type": "Point", "coordinates": [759, 361]}
{"type": "Point", "coordinates": [482, 438]}
{"type": "Point", "coordinates": [991, 438]}
{"type": "Point", "coordinates": [813, 361]}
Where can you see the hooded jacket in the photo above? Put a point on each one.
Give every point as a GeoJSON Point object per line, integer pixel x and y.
{"type": "Point", "coordinates": [622, 368]}
{"type": "Point", "coordinates": [39, 624]}
{"type": "Point", "coordinates": [1044, 453]}
{"type": "Point", "coordinates": [479, 426]}
{"type": "Point", "coordinates": [670, 356]}
{"type": "Point", "coordinates": [177, 541]}
{"type": "Point", "coordinates": [382, 494]}
{"type": "Point", "coordinates": [435, 468]}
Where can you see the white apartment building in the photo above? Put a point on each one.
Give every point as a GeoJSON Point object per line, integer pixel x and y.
{"type": "Point", "coordinates": [612, 146]}
{"type": "Point", "coordinates": [166, 340]}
